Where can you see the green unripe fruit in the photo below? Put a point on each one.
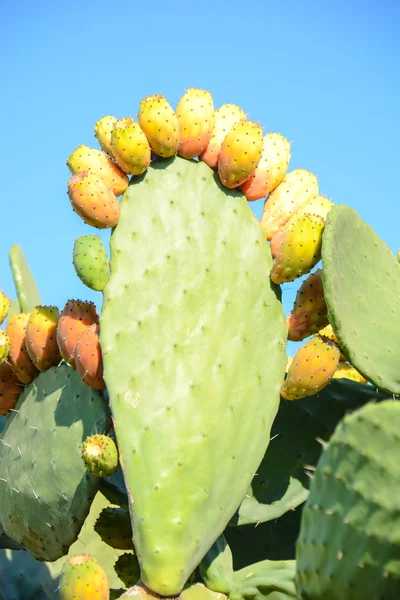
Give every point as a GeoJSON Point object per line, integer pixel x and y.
{"type": "Point", "coordinates": [100, 455]}
{"type": "Point", "coordinates": [91, 261]}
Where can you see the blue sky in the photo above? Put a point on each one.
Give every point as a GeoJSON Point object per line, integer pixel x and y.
{"type": "Point", "coordinates": [324, 74]}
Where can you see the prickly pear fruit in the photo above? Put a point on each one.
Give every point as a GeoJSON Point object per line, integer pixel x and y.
{"type": "Point", "coordinates": [84, 159]}
{"type": "Point", "coordinates": [100, 455]}
{"type": "Point", "coordinates": [310, 312]}
{"type": "Point", "coordinates": [75, 317]}
{"type": "Point", "coordinates": [4, 346]}
{"type": "Point", "coordinates": [240, 154]}
{"type": "Point", "coordinates": [130, 147]}
{"type": "Point", "coordinates": [83, 578]}
{"type": "Point", "coordinates": [41, 337]}
{"type": "Point", "coordinates": [300, 251]}
{"type": "Point", "coordinates": [346, 371]}
{"type": "Point", "coordinates": [10, 389]}
{"type": "Point", "coordinates": [93, 200]}
{"type": "Point", "coordinates": [311, 369]}
{"type": "Point", "coordinates": [297, 189]}
{"type": "Point", "coordinates": [18, 356]}
{"type": "Point", "coordinates": [88, 359]}
{"type": "Point", "coordinates": [102, 131]}
{"type": "Point", "coordinates": [114, 527]}
{"type": "Point", "coordinates": [128, 570]}
{"type": "Point", "coordinates": [225, 118]}
{"type": "Point", "coordinates": [4, 306]}
{"type": "Point", "coordinates": [271, 169]}
{"type": "Point", "coordinates": [91, 261]}
{"type": "Point", "coordinates": [159, 122]}
{"type": "Point", "coordinates": [329, 333]}
{"type": "Point", "coordinates": [195, 113]}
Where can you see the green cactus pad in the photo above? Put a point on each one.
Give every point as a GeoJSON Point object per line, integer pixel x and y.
{"type": "Point", "coordinates": [24, 578]}
{"type": "Point", "coordinates": [28, 294]}
{"type": "Point", "coordinates": [127, 568]}
{"type": "Point", "coordinates": [282, 483]}
{"type": "Point", "coordinates": [190, 301]}
{"type": "Point", "coordinates": [45, 489]}
{"type": "Point", "coordinates": [361, 279]}
{"type": "Point", "coordinates": [349, 542]}
{"type": "Point", "coordinates": [91, 261]}
{"type": "Point", "coordinates": [216, 568]}
{"type": "Point", "coordinates": [271, 580]}
{"type": "Point", "coordinates": [114, 527]}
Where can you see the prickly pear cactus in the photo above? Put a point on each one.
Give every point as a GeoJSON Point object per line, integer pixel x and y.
{"type": "Point", "coordinates": [190, 302]}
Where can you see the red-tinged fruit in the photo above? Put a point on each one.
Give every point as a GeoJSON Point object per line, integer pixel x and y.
{"type": "Point", "coordinates": [74, 319]}
{"type": "Point", "coordinates": [84, 158]}
{"type": "Point", "coordinates": [4, 306]}
{"type": "Point", "coordinates": [271, 169]}
{"type": "Point", "coordinates": [93, 200]}
{"type": "Point", "coordinates": [240, 153]}
{"type": "Point", "coordinates": [300, 251]}
{"type": "Point", "coordinates": [4, 346]}
{"type": "Point", "coordinates": [310, 312]}
{"type": "Point", "coordinates": [41, 337]}
{"type": "Point", "coordinates": [83, 578]}
{"type": "Point", "coordinates": [297, 188]}
{"type": "Point", "coordinates": [100, 455]}
{"type": "Point", "coordinates": [102, 130]}
{"type": "Point", "coordinates": [311, 369]}
{"type": "Point", "coordinates": [10, 389]}
{"type": "Point", "coordinates": [18, 356]}
{"type": "Point", "coordinates": [130, 147]}
{"type": "Point", "coordinates": [226, 117]}
{"type": "Point", "coordinates": [195, 113]}
{"type": "Point", "coordinates": [88, 359]}
{"type": "Point", "coordinates": [159, 123]}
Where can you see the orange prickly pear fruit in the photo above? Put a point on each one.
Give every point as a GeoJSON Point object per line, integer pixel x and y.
{"type": "Point", "coordinates": [93, 200]}
{"type": "Point", "coordinates": [84, 158]}
{"type": "Point", "coordinates": [320, 206]}
{"type": "Point", "coordinates": [329, 333]}
{"type": "Point", "coordinates": [311, 369]}
{"type": "Point", "coordinates": [88, 359]}
{"type": "Point", "coordinates": [297, 188]}
{"type": "Point", "coordinates": [240, 153]}
{"type": "Point", "coordinates": [300, 251]}
{"type": "Point", "coordinates": [10, 389]}
{"type": "Point", "coordinates": [41, 337]}
{"type": "Point", "coordinates": [102, 131]}
{"type": "Point", "coordinates": [159, 122]}
{"type": "Point", "coordinates": [4, 306]}
{"type": "Point", "coordinates": [310, 312]}
{"type": "Point", "coordinates": [130, 147]}
{"type": "Point", "coordinates": [195, 113]}
{"type": "Point", "coordinates": [83, 578]}
{"type": "Point", "coordinates": [18, 356]}
{"type": "Point", "coordinates": [4, 346]}
{"type": "Point", "coordinates": [225, 118]}
{"type": "Point", "coordinates": [346, 371]}
{"type": "Point", "coordinates": [75, 317]}
{"type": "Point", "coordinates": [271, 169]}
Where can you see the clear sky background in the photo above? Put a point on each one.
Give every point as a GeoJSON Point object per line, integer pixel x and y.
{"type": "Point", "coordinates": [324, 74]}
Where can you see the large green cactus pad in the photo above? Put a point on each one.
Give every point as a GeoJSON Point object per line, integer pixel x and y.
{"type": "Point", "coordinates": [45, 490]}
{"type": "Point", "coordinates": [349, 542]}
{"type": "Point", "coordinates": [193, 340]}
{"type": "Point", "coordinates": [361, 279]}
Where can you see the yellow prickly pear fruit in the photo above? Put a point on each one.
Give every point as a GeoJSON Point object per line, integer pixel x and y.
{"type": "Point", "coordinates": [159, 122]}
{"type": "Point", "coordinates": [130, 147]}
{"type": "Point", "coordinates": [310, 312]}
{"type": "Point", "coordinates": [4, 346]}
{"type": "Point", "coordinates": [83, 578]}
{"type": "Point", "coordinates": [18, 356]}
{"type": "Point", "coordinates": [271, 169]}
{"type": "Point", "coordinates": [10, 389]}
{"type": "Point", "coordinates": [346, 371]}
{"type": "Point", "coordinates": [195, 112]}
{"type": "Point", "coordinates": [240, 153]}
{"type": "Point", "coordinates": [75, 317]}
{"type": "Point", "coordinates": [329, 333]}
{"type": "Point", "coordinates": [295, 191]}
{"type": "Point", "coordinates": [84, 158]}
{"type": "Point", "coordinates": [41, 337]}
{"type": "Point", "coordinates": [102, 131]}
{"type": "Point", "coordinates": [4, 306]}
{"type": "Point", "coordinates": [300, 251]}
{"type": "Point", "coordinates": [93, 200]}
{"type": "Point", "coordinates": [311, 369]}
{"type": "Point", "coordinates": [226, 117]}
